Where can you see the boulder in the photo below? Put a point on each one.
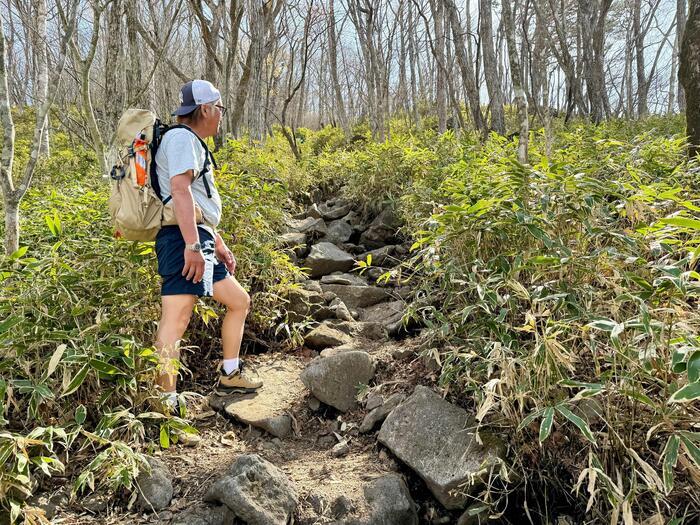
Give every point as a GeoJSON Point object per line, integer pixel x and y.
{"type": "Point", "coordinates": [362, 330]}
{"type": "Point", "coordinates": [309, 225]}
{"type": "Point", "coordinates": [303, 303]}
{"type": "Point", "coordinates": [432, 437]}
{"type": "Point", "coordinates": [314, 212]}
{"type": "Point", "coordinates": [269, 407]}
{"type": "Point", "coordinates": [379, 414]}
{"type": "Point", "coordinates": [348, 347]}
{"type": "Point", "coordinates": [292, 239]}
{"type": "Point", "coordinates": [334, 380]}
{"type": "Point", "coordinates": [155, 487]}
{"type": "Point", "coordinates": [390, 501]}
{"type": "Point", "coordinates": [382, 230]}
{"type": "Point", "coordinates": [340, 310]}
{"type": "Point", "coordinates": [380, 256]}
{"type": "Point", "coordinates": [334, 212]}
{"type": "Point", "coordinates": [324, 336]}
{"type": "Point", "coordinates": [338, 232]}
{"type": "Point", "coordinates": [357, 296]}
{"type": "Point", "coordinates": [326, 258]}
{"type": "Point", "coordinates": [210, 515]}
{"type": "Point", "coordinates": [388, 315]}
{"type": "Point", "coordinates": [256, 491]}
{"type": "Point", "coordinates": [344, 279]}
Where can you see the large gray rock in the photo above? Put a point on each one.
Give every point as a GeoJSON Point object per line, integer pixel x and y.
{"type": "Point", "coordinates": [155, 487]}
{"type": "Point", "coordinates": [292, 239]}
{"type": "Point", "coordinates": [380, 413]}
{"type": "Point", "coordinates": [432, 437]}
{"type": "Point", "coordinates": [338, 232]}
{"type": "Point", "coordinates": [326, 258]}
{"type": "Point", "coordinates": [362, 329]}
{"type": "Point", "coordinates": [269, 407]}
{"type": "Point", "coordinates": [357, 296]}
{"type": "Point", "coordinates": [388, 315]}
{"type": "Point", "coordinates": [304, 303]}
{"type": "Point", "coordinates": [340, 311]}
{"type": "Point", "coordinates": [344, 279]}
{"type": "Point", "coordinates": [382, 230]}
{"type": "Point", "coordinates": [334, 380]}
{"type": "Point", "coordinates": [210, 515]}
{"type": "Point", "coordinates": [309, 225]}
{"type": "Point", "coordinates": [337, 211]}
{"type": "Point", "coordinates": [324, 336]}
{"type": "Point", "coordinates": [390, 501]}
{"type": "Point", "coordinates": [256, 491]}
{"type": "Point", "coordinates": [380, 256]}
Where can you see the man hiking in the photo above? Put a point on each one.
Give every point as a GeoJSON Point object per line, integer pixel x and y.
{"type": "Point", "coordinates": [193, 259]}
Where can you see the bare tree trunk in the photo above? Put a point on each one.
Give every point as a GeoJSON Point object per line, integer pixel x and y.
{"type": "Point", "coordinates": [465, 66]}
{"type": "Point", "coordinates": [114, 92]}
{"type": "Point", "coordinates": [41, 87]}
{"type": "Point", "coordinates": [412, 59]}
{"type": "Point", "coordinates": [491, 68]}
{"type": "Point", "coordinates": [516, 75]}
{"type": "Point", "coordinates": [689, 75]}
{"type": "Point", "coordinates": [12, 195]}
{"type": "Point", "coordinates": [638, 35]}
{"type": "Point", "coordinates": [437, 10]}
{"type": "Point", "coordinates": [333, 59]}
{"type": "Point", "coordinates": [680, 29]}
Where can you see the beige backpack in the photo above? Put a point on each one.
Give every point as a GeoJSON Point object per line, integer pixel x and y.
{"type": "Point", "coordinates": [135, 204]}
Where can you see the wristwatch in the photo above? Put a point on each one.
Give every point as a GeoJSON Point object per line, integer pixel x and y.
{"type": "Point", "coordinates": [195, 247]}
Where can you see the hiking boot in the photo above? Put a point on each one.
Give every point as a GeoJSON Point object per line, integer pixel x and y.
{"type": "Point", "coordinates": [238, 381]}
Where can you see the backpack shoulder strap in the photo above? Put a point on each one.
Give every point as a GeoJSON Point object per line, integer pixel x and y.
{"type": "Point", "coordinates": [209, 159]}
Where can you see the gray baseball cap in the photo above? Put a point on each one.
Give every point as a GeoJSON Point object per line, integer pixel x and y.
{"type": "Point", "coordinates": [196, 93]}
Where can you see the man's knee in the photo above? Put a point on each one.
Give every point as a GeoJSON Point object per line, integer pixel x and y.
{"type": "Point", "coordinates": [242, 302]}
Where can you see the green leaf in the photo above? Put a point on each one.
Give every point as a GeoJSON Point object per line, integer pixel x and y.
{"type": "Point", "coordinates": [529, 419]}
{"type": "Point", "coordinates": [76, 381]}
{"type": "Point", "coordinates": [686, 394]}
{"type": "Point", "coordinates": [546, 425]}
{"type": "Point", "coordinates": [19, 253]}
{"type": "Point", "coordinates": [694, 367]}
{"type": "Point", "coordinates": [682, 222]}
{"type": "Point", "coordinates": [104, 367]}
{"type": "Point", "coordinates": [164, 437]}
{"type": "Point", "coordinates": [606, 325]}
{"type": "Point", "coordinates": [80, 414]}
{"type": "Point", "coordinates": [580, 423]}
{"type": "Point", "coordinates": [9, 322]}
{"type": "Point", "coordinates": [692, 450]}
{"type": "Point", "coordinates": [670, 456]}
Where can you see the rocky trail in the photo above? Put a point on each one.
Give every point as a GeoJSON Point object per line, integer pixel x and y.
{"type": "Point", "coordinates": [347, 430]}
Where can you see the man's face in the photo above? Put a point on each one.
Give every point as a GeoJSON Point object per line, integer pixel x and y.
{"type": "Point", "coordinates": [212, 117]}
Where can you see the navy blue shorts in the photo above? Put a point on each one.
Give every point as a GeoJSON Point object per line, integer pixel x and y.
{"type": "Point", "coordinates": [170, 248]}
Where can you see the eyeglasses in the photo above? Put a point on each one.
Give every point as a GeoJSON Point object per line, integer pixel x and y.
{"type": "Point", "coordinates": [222, 109]}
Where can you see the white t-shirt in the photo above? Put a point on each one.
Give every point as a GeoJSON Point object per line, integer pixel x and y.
{"type": "Point", "coordinates": [179, 152]}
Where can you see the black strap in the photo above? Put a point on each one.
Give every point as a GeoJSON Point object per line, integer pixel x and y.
{"type": "Point", "coordinates": [159, 131]}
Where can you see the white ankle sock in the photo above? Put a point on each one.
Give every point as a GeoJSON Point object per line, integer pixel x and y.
{"type": "Point", "coordinates": [231, 364]}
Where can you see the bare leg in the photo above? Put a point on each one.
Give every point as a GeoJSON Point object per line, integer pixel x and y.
{"type": "Point", "coordinates": [175, 316]}
{"type": "Point", "coordinates": [231, 294]}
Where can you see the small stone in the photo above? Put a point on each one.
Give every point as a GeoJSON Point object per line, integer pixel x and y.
{"type": "Point", "coordinates": [292, 239]}
{"type": "Point", "coordinates": [374, 401]}
{"type": "Point", "coordinates": [155, 487]}
{"type": "Point", "coordinates": [326, 442]}
{"type": "Point", "coordinates": [341, 507]}
{"type": "Point", "coordinates": [380, 413]}
{"type": "Point", "coordinates": [96, 503]}
{"type": "Point", "coordinates": [340, 449]}
{"type": "Point", "coordinates": [334, 212]}
{"type": "Point", "coordinates": [334, 380]}
{"type": "Point", "coordinates": [314, 404]}
{"type": "Point", "coordinates": [326, 258]}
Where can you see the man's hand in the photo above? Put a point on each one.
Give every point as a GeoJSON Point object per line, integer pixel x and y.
{"type": "Point", "coordinates": [225, 256]}
{"type": "Point", "coordinates": [194, 266]}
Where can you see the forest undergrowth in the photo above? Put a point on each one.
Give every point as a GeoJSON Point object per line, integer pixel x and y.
{"type": "Point", "coordinates": [559, 298]}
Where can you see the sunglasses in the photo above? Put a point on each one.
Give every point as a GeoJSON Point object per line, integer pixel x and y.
{"type": "Point", "coordinates": [221, 108]}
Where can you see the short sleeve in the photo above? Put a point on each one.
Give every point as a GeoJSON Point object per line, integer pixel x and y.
{"type": "Point", "coordinates": [182, 154]}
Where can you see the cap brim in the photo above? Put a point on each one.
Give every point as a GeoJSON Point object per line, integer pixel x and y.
{"type": "Point", "coordinates": [183, 110]}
